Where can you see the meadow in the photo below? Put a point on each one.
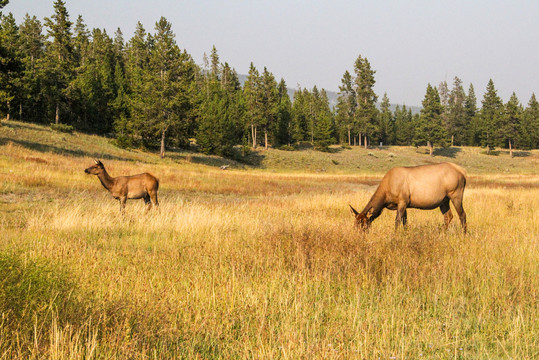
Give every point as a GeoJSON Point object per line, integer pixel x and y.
{"type": "Point", "coordinates": [261, 260]}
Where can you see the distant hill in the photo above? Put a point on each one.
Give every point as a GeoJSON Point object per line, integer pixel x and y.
{"type": "Point", "coordinates": [333, 96]}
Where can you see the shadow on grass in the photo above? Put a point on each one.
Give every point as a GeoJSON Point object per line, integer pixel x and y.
{"type": "Point", "coordinates": [497, 152]}
{"type": "Point", "coordinates": [237, 160]}
{"type": "Point", "coordinates": [27, 126]}
{"type": "Point", "coordinates": [521, 153]}
{"type": "Point", "coordinates": [61, 151]}
{"type": "Point", "coordinates": [331, 149]}
{"type": "Point", "coordinates": [450, 152]}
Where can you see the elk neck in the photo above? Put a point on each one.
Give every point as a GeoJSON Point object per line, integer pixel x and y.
{"type": "Point", "coordinates": [106, 180]}
{"type": "Point", "coordinates": [376, 204]}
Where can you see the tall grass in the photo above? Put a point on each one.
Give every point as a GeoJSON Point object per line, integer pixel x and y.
{"type": "Point", "coordinates": [289, 277]}
{"type": "Point", "coordinates": [250, 264]}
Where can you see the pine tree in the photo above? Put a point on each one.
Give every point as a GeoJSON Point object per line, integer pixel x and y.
{"type": "Point", "coordinates": [404, 126]}
{"type": "Point", "coordinates": [313, 98]}
{"type": "Point", "coordinates": [32, 44]}
{"type": "Point", "coordinates": [456, 113]}
{"type": "Point", "coordinates": [490, 117]}
{"type": "Point", "coordinates": [10, 62]}
{"type": "Point", "coordinates": [445, 96]}
{"type": "Point", "coordinates": [471, 118]}
{"type": "Point", "coordinates": [212, 112]}
{"type": "Point", "coordinates": [137, 53]}
{"type": "Point", "coordinates": [385, 126]}
{"type": "Point", "coordinates": [529, 127]}
{"type": "Point", "coordinates": [119, 45]}
{"type": "Point", "coordinates": [164, 99]}
{"type": "Point", "coordinates": [233, 125]}
{"type": "Point", "coordinates": [120, 106]}
{"type": "Point", "coordinates": [220, 117]}
{"type": "Point", "coordinates": [215, 70]}
{"type": "Point", "coordinates": [443, 91]}
{"type": "Point", "coordinates": [252, 90]}
{"type": "Point", "coordinates": [81, 42]}
{"type": "Point", "coordinates": [93, 90]}
{"type": "Point", "coordinates": [366, 98]}
{"type": "Point", "coordinates": [300, 116]}
{"type": "Point", "coordinates": [346, 108]}
{"type": "Point", "coordinates": [284, 116]}
{"type": "Point", "coordinates": [325, 124]}
{"type": "Point", "coordinates": [59, 67]}
{"type": "Point", "coordinates": [430, 129]}
{"type": "Point", "coordinates": [401, 130]}
{"type": "Point", "coordinates": [269, 104]}
{"type": "Point", "coordinates": [511, 121]}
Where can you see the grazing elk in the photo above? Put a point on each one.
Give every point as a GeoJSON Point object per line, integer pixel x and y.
{"type": "Point", "coordinates": [141, 186]}
{"type": "Point", "coordinates": [421, 187]}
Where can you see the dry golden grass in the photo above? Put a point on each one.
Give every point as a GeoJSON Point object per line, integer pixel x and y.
{"type": "Point", "coordinates": [254, 264]}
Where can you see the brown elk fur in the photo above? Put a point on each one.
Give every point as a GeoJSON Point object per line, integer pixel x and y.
{"type": "Point", "coordinates": [421, 187]}
{"type": "Point", "coordinates": [141, 186]}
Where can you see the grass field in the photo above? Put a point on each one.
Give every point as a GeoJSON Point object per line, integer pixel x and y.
{"type": "Point", "coordinates": [261, 260]}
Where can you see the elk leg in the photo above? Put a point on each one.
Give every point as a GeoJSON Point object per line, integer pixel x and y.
{"type": "Point", "coordinates": [457, 203]}
{"type": "Point", "coordinates": [123, 200]}
{"type": "Point", "coordinates": [401, 213]}
{"type": "Point", "coordinates": [147, 202]}
{"type": "Point", "coordinates": [153, 196]}
{"type": "Point", "coordinates": [404, 218]}
{"type": "Point", "coordinates": [446, 211]}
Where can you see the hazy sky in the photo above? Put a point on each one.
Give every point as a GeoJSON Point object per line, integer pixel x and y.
{"type": "Point", "coordinates": [409, 43]}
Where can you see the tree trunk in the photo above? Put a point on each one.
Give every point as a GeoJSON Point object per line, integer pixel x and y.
{"type": "Point", "coordinates": [430, 148]}
{"type": "Point", "coordinates": [366, 144]}
{"type": "Point", "coordinates": [253, 135]}
{"type": "Point", "coordinates": [20, 112]}
{"type": "Point", "coordinates": [289, 134]}
{"type": "Point", "coordinates": [510, 149]}
{"type": "Point", "coordinates": [452, 140]}
{"type": "Point", "coordinates": [265, 139]}
{"type": "Point", "coordinates": [349, 142]}
{"type": "Point", "coordinates": [57, 116]}
{"type": "Point", "coordinates": [162, 152]}
{"type": "Point", "coordinates": [8, 110]}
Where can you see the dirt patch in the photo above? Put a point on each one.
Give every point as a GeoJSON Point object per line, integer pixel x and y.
{"type": "Point", "coordinates": [502, 184]}
{"type": "Point", "coordinates": [35, 160]}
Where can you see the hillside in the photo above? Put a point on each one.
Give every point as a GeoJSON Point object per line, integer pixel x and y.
{"type": "Point", "coordinates": [339, 160]}
{"type": "Point", "coordinates": [261, 260]}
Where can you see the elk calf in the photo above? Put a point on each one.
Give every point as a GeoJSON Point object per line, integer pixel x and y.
{"type": "Point", "coordinates": [140, 186]}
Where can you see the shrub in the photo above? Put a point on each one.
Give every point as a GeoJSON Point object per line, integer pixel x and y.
{"type": "Point", "coordinates": [322, 145]}
{"type": "Point", "coordinates": [287, 148]}
{"type": "Point", "coordinates": [123, 142]}
{"type": "Point", "coordinates": [34, 292]}
{"type": "Point", "coordinates": [62, 128]}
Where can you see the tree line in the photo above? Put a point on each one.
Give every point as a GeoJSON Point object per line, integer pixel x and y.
{"type": "Point", "coordinates": [147, 92]}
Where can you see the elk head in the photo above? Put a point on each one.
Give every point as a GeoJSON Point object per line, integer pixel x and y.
{"type": "Point", "coordinates": [95, 169]}
{"type": "Point", "coordinates": [363, 221]}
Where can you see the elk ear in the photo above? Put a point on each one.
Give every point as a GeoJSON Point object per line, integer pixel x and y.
{"type": "Point", "coordinates": [96, 161]}
{"type": "Point", "coordinates": [353, 211]}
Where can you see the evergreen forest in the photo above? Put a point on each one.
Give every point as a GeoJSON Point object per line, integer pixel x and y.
{"type": "Point", "coordinates": [146, 92]}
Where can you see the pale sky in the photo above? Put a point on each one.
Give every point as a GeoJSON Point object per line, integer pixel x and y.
{"type": "Point", "coordinates": [409, 43]}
